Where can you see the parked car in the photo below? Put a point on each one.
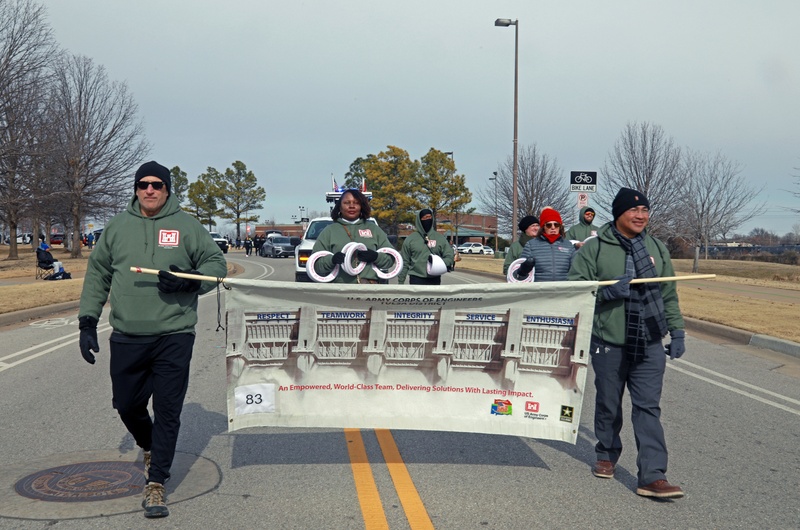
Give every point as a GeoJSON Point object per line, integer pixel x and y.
{"type": "Point", "coordinates": [471, 248]}
{"type": "Point", "coordinates": [278, 247]}
{"type": "Point", "coordinates": [56, 239]}
{"type": "Point", "coordinates": [221, 242]}
{"type": "Point", "coordinates": [489, 251]}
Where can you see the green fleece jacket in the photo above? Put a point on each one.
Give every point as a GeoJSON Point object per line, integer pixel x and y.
{"type": "Point", "coordinates": [603, 258]}
{"type": "Point", "coordinates": [515, 251]}
{"type": "Point", "coordinates": [339, 233]}
{"type": "Point", "coordinates": [582, 230]}
{"type": "Point", "coordinates": [172, 237]}
{"type": "Point", "coordinates": [418, 246]}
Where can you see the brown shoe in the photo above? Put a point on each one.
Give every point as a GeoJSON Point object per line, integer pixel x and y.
{"type": "Point", "coordinates": [661, 489]}
{"type": "Point", "coordinates": [603, 469]}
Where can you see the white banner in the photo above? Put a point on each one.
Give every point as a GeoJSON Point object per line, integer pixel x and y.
{"type": "Point", "coordinates": [487, 358]}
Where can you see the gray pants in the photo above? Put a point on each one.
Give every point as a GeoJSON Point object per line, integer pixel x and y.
{"type": "Point", "coordinates": [645, 379]}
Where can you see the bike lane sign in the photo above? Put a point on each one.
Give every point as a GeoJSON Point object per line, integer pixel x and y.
{"type": "Point", "coordinates": [583, 181]}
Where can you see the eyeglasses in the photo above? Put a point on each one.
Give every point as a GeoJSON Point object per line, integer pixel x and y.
{"type": "Point", "coordinates": [142, 185]}
{"type": "Point", "coordinates": [552, 225]}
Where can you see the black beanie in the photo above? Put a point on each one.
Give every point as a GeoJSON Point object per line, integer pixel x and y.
{"type": "Point", "coordinates": [527, 221]}
{"type": "Point", "coordinates": [428, 224]}
{"type": "Point", "coordinates": [154, 169]}
{"type": "Point", "coordinates": [625, 200]}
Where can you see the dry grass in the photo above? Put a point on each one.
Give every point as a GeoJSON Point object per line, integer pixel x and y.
{"type": "Point", "coordinates": [778, 319]}
{"type": "Point", "coordinates": [35, 293]}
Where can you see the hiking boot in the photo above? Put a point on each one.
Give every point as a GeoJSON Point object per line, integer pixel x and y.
{"type": "Point", "coordinates": [146, 457]}
{"type": "Point", "coordinates": [661, 489]}
{"type": "Point", "coordinates": [603, 469]}
{"type": "Point", "coordinates": [155, 500]}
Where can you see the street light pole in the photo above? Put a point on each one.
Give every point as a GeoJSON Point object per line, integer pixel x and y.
{"type": "Point", "coordinates": [505, 22]}
{"type": "Point", "coordinates": [496, 216]}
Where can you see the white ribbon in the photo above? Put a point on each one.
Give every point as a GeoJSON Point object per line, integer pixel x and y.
{"type": "Point", "coordinates": [436, 266]}
{"type": "Point", "coordinates": [398, 264]}
{"type": "Point", "coordinates": [515, 265]}
{"type": "Point", "coordinates": [312, 259]}
{"type": "Point", "coordinates": [349, 251]}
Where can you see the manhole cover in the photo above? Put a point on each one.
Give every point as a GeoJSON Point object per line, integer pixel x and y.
{"type": "Point", "coordinates": [84, 482]}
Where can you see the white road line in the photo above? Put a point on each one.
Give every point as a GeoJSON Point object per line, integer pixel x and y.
{"type": "Point", "coordinates": [741, 383]}
{"type": "Point", "coordinates": [62, 342]}
{"type": "Point", "coordinates": [737, 391]}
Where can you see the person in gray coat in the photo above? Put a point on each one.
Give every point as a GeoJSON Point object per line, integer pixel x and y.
{"type": "Point", "coordinates": [549, 253]}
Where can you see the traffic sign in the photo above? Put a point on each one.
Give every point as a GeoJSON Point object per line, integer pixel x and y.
{"type": "Point", "coordinates": [583, 181]}
{"type": "Point", "coordinates": [583, 200]}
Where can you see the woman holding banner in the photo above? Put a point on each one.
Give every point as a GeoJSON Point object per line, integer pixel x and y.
{"type": "Point", "coordinates": [353, 238]}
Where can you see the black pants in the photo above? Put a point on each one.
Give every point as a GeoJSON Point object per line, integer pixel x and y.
{"type": "Point", "coordinates": [430, 280]}
{"type": "Point", "coordinates": [159, 369]}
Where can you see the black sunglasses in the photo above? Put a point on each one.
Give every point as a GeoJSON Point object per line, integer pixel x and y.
{"type": "Point", "coordinates": [142, 185]}
{"type": "Point", "coordinates": [552, 225]}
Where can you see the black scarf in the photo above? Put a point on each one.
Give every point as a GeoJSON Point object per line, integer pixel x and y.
{"type": "Point", "coordinates": [644, 309]}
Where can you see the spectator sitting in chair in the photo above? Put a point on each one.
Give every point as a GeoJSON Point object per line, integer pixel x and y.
{"type": "Point", "coordinates": [46, 261]}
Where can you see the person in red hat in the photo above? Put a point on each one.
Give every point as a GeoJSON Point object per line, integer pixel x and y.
{"type": "Point", "coordinates": [549, 252]}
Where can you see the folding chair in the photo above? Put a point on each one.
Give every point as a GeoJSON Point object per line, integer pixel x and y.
{"type": "Point", "coordinates": [44, 264]}
{"type": "Point", "coordinates": [43, 272]}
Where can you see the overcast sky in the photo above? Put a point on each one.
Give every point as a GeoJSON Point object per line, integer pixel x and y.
{"type": "Point", "coordinates": [297, 90]}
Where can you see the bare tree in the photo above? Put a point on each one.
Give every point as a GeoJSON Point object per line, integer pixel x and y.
{"type": "Point", "coordinates": [98, 140]}
{"type": "Point", "coordinates": [796, 177]}
{"type": "Point", "coordinates": [27, 49]}
{"type": "Point", "coordinates": [719, 200]}
{"type": "Point", "coordinates": [645, 159]}
{"type": "Point", "coordinates": [540, 183]}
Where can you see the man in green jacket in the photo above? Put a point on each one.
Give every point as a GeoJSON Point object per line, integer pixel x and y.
{"type": "Point", "coordinates": [629, 324]}
{"type": "Point", "coordinates": [153, 317]}
{"type": "Point", "coordinates": [529, 226]}
{"type": "Point", "coordinates": [417, 249]}
{"type": "Point", "coordinates": [584, 228]}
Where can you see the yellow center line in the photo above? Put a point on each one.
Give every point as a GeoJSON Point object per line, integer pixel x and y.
{"type": "Point", "coordinates": [416, 513]}
{"type": "Point", "coordinates": [368, 497]}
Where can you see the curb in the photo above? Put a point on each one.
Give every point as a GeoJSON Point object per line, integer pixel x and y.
{"type": "Point", "coordinates": [740, 336]}
{"type": "Point", "coordinates": [34, 313]}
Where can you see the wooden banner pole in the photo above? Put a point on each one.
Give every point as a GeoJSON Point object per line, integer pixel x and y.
{"type": "Point", "coordinates": [233, 281]}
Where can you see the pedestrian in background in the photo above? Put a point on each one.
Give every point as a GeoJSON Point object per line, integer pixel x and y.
{"type": "Point", "coordinates": [248, 246]}
{"type": "Point", "coordinates": [584, 228]}
{"type": "Point", "coordinates": [528, 227]}
{"type": "Point", "coordinates": [629, 324]}
{"type": "Point", "coordinates": [153, 318]}
{"type": "Point", "coordinates": [418, 248]}
{"type": "Point", "coordinates": [549, 253]}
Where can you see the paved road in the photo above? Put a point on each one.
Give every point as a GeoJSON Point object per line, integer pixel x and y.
{"type": "Point", "coordinates": [731, 415]}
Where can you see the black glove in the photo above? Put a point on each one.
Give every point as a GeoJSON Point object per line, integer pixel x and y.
{"type": "Point", "coordinates": [169, 283]}
{"type": "Point", "coordinates": [621, 289]}
{"type": "Point", "coordinates": [367, 256]}
{"type": "Point", "coordinates": [338, 258]}
{"type": "Point", "coordinates": [525, 268]}
{"type": "Point", "coordinates": [88, 340]}
{"type": "Point", "coordinates": [677, 346]}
